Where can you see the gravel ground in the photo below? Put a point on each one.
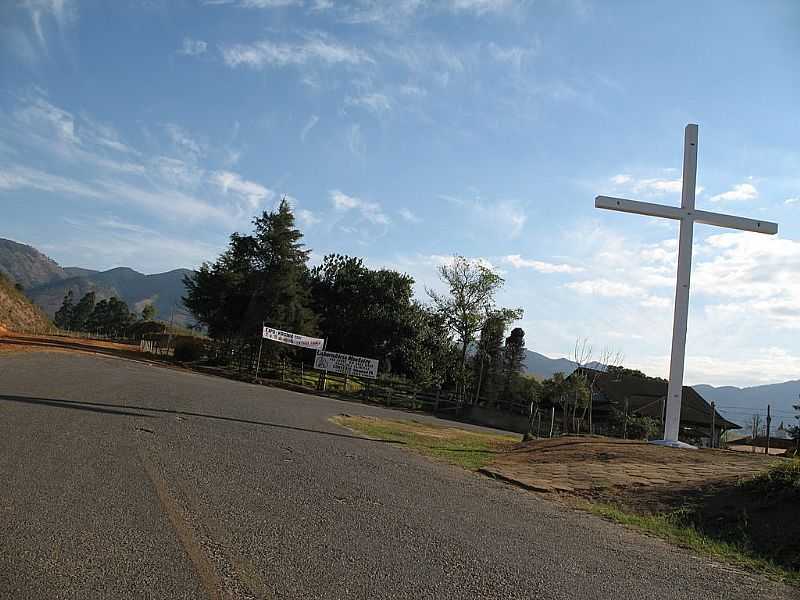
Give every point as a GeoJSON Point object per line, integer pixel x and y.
{"type": "Point", "coordinates": [124, 480]}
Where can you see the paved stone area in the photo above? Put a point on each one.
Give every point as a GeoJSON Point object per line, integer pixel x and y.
{"type": "Point", "coordinates": [586, 464]}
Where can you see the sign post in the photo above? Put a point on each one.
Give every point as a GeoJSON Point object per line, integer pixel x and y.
{"type": "Point", "coordinates": [687, 216]}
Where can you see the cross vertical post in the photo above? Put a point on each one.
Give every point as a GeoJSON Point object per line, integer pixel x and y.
{"type": "Point", "coordinates": [678, 354]}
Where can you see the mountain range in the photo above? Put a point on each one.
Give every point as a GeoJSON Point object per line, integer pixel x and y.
{"type": "Point", "coordinates": [46, 283]}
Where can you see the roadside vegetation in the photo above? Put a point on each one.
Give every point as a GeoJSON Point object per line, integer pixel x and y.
{"type": "Point", "coordinates": [751, 523]}
{"type": "Point", "coordinates": [468, 449]}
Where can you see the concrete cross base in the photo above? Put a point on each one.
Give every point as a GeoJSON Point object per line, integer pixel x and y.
{"type": "Point", "coordinates": [673, 444]}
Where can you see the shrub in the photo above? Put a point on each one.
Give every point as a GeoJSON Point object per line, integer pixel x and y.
{"type": "Point", "coordinates": [188, 349]}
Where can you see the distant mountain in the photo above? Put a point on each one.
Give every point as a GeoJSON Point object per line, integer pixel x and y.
{"type": "Point", "coordinates": [544, 367]}
{"type": "Point", "coordinates": [46, 283]}
{"type": "Point", "coordinates": [27, 266]}
{"type": "Point", "coordinates": [739, 404]}
{"type": "Point", "coordinates": [164, 290]}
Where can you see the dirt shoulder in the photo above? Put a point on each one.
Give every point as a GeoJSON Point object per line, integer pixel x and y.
{"type": "Point", "coordinates": [11, 342]}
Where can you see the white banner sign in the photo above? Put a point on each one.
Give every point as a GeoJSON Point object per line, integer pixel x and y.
{"type": "Point", "coordinates": [293, 339]}
{"type": "Point", "coordinates": [346, 364]}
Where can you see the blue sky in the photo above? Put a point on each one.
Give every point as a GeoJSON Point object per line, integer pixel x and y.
{"type": "Point", "coordinates": [141, 133]}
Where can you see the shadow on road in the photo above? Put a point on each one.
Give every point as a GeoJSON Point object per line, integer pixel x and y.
{"type": "Point", "coordinates": [116, 410]}
{"type": "Point", "coordinates": [74, 406]}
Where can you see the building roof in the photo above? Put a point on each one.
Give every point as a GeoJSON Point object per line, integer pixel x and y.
{"type": "Point", "coordinates": [646, 395]}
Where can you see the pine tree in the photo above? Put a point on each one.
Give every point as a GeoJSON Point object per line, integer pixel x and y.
{"type": "Point", "coordinates": [513, 357]}
{"type": "Point", "coordinates": [63, 316]}
{"type": "Point", "coordinates": [82, 311]}
{"type": "Point", "coordinates": [261, 277]}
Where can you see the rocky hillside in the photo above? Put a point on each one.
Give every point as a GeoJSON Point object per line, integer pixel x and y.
{"type": "Point", "coordinates": [27, 266]}
{"type": "Point", "coordinates": [17, 313]}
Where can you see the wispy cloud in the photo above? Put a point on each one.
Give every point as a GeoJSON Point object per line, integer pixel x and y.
{"type": "Point", "coordinates": [792, 200]}
{"type": "Point", "coordinates": [253, 192]}
{"type": "Point", "coordinates": [310, 124]}
{"type": "Point", "coordinates": [192, 47]}
{"type": "Point", "coordinates": [313, 48]}
{"type": "Point", "coordinates": [255, 3]}
{"type": "Point", "coordinates": [184, 142]}
{"type": "Point", "coordinates": [649, 186]}
{"type": "Point", "coordinates": [370, 211]}
{"type": "Point", "coordinates": [739, 192]}
{"type": "Point", "coordinates": [516, 261]}
{"type": "Point", "coordinates": [61, 12]}
{"type": "Point", "coordinates": [408, 215]}
{"type": "Point", "coordinates": [374, 102]}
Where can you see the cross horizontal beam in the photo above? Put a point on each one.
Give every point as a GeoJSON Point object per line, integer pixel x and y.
{"type": "Point", "coordinates": [677, 213]}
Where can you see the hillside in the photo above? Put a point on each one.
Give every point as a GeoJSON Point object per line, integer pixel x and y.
{"type": "Point", "coordinates": [46, 283]}
{"type": "Point", "coordinates": [27, 266]}
{"type": "Point", "coordinates": [17, 313]}
{"type": "Point", "coordinates": [164, 290]}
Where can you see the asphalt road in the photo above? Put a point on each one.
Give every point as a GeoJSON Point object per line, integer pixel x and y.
{"type": "Point", "coordinates": [123, 480]}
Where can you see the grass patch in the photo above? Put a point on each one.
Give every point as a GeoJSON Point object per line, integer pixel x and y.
{"type": "Point", "coordinates": [673, 528]}
{"type": "Point", "coordinates": [468, 449]}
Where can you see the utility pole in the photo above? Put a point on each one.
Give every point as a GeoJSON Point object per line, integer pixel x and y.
{"type": "Point", "coordinates": [769, 422]}
{"type": "Point", "coordinates": [713, 419]}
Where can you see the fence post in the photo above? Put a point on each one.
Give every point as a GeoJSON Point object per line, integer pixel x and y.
{"type": "Point", "coordinates": [436, 403]}
{"type": "Point", "coordinates": [552, 419]}
{"type": "Point", "coordinates": [713, 418]}
{"type": "Point", "coordinates": [345, 382]}
{"type": "Point", "coordinates": [302, 374]}
{"type": "Point", "coordinates": [283, 369]}
{"type": "Point", "coordinates": [389, 396]}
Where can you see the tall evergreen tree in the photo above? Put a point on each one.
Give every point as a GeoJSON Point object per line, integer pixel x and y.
{"type": "Point", "coordinates": [488, 362]}
{"type": "Point", "coordinates": [513, 357]}
{"type": "Point", "coordinates": [82, 311]}
{"type": "Point", "coordinates": [261, 277]}
{"type": "Point", "coordinates": [63, 316]}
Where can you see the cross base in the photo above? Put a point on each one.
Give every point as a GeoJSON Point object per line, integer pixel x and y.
{"type": "Point", "coordinates": [673, 444]}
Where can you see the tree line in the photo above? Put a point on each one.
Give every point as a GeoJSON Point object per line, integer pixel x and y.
{"type": "Point", "coordinates": [109, 316]}
{"type": "Point", "coordinates": [457, 340]}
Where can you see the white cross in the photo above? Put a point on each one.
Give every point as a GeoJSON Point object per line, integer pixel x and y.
{"type": "Point", "coordinates": [688, 216]}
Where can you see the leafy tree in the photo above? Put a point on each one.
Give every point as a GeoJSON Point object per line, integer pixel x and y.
{"type": "Point", "coordinates": [63, 316]}
{"type": "Point", "coordinates": [469, 301]}
{"type": "Point", "coordinates": [148, 312]}
{"type": "Point", "coordinates": [80, 314]}
{"type": "Point", "coordinates": [109, 316]}
{"type": "Point", "coordinates": [428, 356]}
{"type": "Point", "coordinates": [364, 311]}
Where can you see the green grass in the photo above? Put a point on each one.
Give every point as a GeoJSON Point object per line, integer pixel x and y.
{"type": "Point", "coordinates": [468, 449]}
{"type": "Point", "coordinates": [670, 527]}
{"type": "Point", "coordinates": [783, 477]}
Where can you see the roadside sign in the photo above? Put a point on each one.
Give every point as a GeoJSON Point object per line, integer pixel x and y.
{"type": "Point", "coordinates": [293, 339]}
{"type": "Point", "coordinates": [346, 364]}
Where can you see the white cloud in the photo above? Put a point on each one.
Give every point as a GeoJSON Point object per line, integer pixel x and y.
{"type": "Point", "coordinates": [253, 192]}
{"type": "Point", "coordinates": [793, 200]}
{"type": "Point", "coordinates": [19, 177]}
{"type": "Point", "coordinates": [316, 48]}
{"type": "Point", "coordinates": [516, 261]}
{"type": "Point", "coordinates": [193, 47]}
{"type": "Point", "coordinates": [256, 3]}
{"type": "Point", "coordinates": [504, 216]}
{"type": "Point", "coordinates": [655, 186]}
{"type": "Point", "coordinates": [408, 215]}
{"type": "Point", "coordinates": [310, 124]}
{"type": "Point", "coordinates": [605, 288]}
{"type": "Point", "coordinates": [370, 211]}
{"type": "Point", "coordinates": [377, 103]}
{"type": "Point", "coordinates": [741, 191]}
{"type": "Point", "coordinates": [61, 11]}
{"type": "Point", "coordinates": [512, 55]}
{"type": "Point", "coordinates": [481, 7]}
{"type": "Point", "coordinates": [307, 218]}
